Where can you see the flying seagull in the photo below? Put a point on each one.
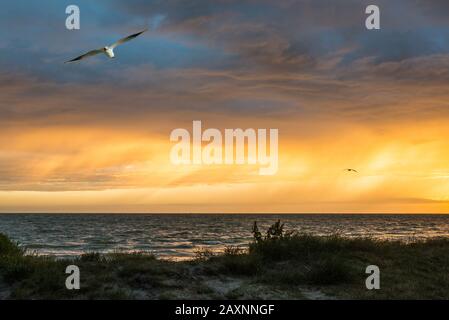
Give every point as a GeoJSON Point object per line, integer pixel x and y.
{"type": "Point", "coordinates": [108, 50]}
{"type": "Point", "coordinates": [351, 170]}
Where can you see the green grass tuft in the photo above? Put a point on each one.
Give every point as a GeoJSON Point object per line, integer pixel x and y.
{"type": "Point", "coordinates": [9, 248]}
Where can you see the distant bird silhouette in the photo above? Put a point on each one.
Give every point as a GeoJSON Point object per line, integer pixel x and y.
{"type": "Point", "coordinates": [351, 170]}
{"type": "Point", "coordinates": [108, 50]}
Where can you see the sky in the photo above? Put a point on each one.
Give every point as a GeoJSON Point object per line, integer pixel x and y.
{"type": "Point", "coordinates": [94, 136]}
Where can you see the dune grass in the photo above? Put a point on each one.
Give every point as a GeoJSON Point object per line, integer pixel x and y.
{"type": "Point", "coordinates": [277, 265]}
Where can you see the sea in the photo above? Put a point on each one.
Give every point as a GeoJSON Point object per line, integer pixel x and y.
{"type": "Point", "coordinates": [181, 236]}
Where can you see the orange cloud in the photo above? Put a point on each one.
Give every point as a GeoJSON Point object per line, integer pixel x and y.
{"type": "Point", "coordinates": [402, 168]}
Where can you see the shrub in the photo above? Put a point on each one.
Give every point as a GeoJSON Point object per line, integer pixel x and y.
{"type": "Point", "coordinates": [275, 232]}
{"type": "Point", "coordinates": [9, 248]}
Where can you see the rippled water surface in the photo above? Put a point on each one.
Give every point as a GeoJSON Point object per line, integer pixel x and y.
{"type": "Point", "coordinates": [179, 236]}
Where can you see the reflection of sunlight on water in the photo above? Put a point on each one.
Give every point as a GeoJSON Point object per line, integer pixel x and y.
{"type": "Point", "coordinates": [178, 237]}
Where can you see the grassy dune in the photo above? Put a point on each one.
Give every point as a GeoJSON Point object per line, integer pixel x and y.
{"type": "Point", "coordinates": [276, 266]}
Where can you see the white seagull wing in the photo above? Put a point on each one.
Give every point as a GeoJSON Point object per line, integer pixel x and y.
{"type": "Point", "coordinates": [88, 54]}
{"type": "Point", "coordinates": [126, 39]}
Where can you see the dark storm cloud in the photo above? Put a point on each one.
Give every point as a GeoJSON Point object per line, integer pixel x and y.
{"type": "Point", "coordinates": [222, 57]}
{"type": "Point", "coordinates": [277, 35]}
{"type": "Point", "coordinates": [286, 33]}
